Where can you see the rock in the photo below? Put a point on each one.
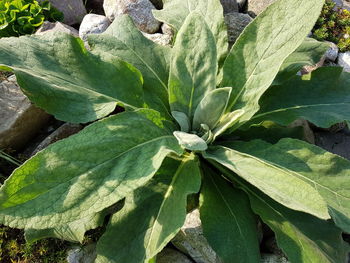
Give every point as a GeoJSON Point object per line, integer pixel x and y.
{"type": "Point", "coordinates": [308, 134]}
{"type": "Point", "coordinates": [344, 61]}
{"type": "Point", "coordinates": [161, 39]}
{"type": "Point", "coordinates": [190, 240]}
{"type": "Point", "coordinates": [157, 3]}
{"type": "Point", "coordinates": [85, 254]}
{"type": "Point", "coordinates": [346, 5]}
{"type": "Point", "coordinates": [139, 10]}
{"type": "Point", "coordinates": [93, 24]}
{"type": "Point", "coordinates": [255, 7]}
{"type": "Point", "coordinates": [241, 3]}
{"type": "Point", "coordinates": [332, 52]}
{"type": "Point", "coordinates": [169, 255]}
{"type": "Point", "coordinates": [338, 3]}
{"type": "Point", "coordinates": [167, 30]}
{"type": "Point", "coordinates": [337, 143]}
{"type": "Point", "coordinates": [271, 258]}
{"type": "Point", "coordinates": [64, 131]}
{"type": "Point", "coordinates": [20, 120]}
{"type": "Point", "coordinates": [73, 10]}
{"type": "Point", "coordinates": [236, 22]}
{"type": "Point", "coordinates": [229, 6]}
{"type": "Point", "coordinates": [56, 27]}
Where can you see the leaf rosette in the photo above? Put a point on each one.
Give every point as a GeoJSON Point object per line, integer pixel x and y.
{"type": "Point", "coordinates": [194, 112]}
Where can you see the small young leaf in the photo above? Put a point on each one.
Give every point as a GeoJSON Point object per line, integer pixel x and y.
{"type": "Point", "coordinates": [211, 108]}
{"type": "Point", "coordinates": [193, 67]}
{"type": "Point", "coordinates": [227, 220]}
{"type": "Point", "coordinates": [227, 121]}
{"type": "Point", "coordinates": [182, 119]}
{"type": "Point", "coordinates": [190, 141]}
{"type": "Point", "coordinates": [152, 215]}
{"type": "Point", "coordinates": [82, 175]}
{"type": "Point", "coordinates": [259, 52]}
{"type": "Point", "coordinates": [282, 184]}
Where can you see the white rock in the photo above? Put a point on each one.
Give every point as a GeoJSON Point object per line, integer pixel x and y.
{"type": "Point", "coordinates": [167, 30]}
{"type": "Point", "coordinates": [85, 254]}
{"type": "Point", "coordinates": [20, 120]}
{"type": "Point", "coordinates": [160, 39]}
{"type": "Point", "coordinates": [190, 240]}
{"type": "Point", "coordinates": [73, 10]}
{"type": "Point", "coordinates": [169, 255]}
{"type": "Point", "coordinates": [139, 10]}
{"type": "Point", "coordinates": [271, 258]}
{"type": "Point", "coordinates": [344, 61]}
{"type": "Point", "coordinates": [332, 52]}
{"type": "Point", "coordinates": [255, 7]}
{"type": "Point", "coordinates": [47, 27]}
{"type": "Point", "coordinates": [93, 24]}
{"type": "Point", "coordinates": [236, 22]}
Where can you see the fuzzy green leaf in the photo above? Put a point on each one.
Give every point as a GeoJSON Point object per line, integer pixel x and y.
{"type": "Point", "coordinates": [322, 98]}
{"type": "Point", "coordinates": [193, 68]}
{"type": "Point", "coordinates": [328, 173]}
{"type": "Point", "coordinates": [174, 13]}
{"type": "Point", "coordinates": [259, 52]}
{"type": "Point", "coordinates": [308, 53]}
{"type": "Point", "coordinates": [285, 185]}
{"type": "Point", "coordinates": [227, 220]}
{"type": "Point", "coordinates": [211, 108]}
{"type": "Point", "coordinates": [190, 141]}
{"type": "Point", "coordinates": [302, 237]}
{"type": "Point", "coordinates": [123, 40]}
{"type": "Point", "coordinates": [152, 215]}
{"type": "Point", "coordinates": [87, 172]}
{"type": "Point", "coordinates": [59, 75]}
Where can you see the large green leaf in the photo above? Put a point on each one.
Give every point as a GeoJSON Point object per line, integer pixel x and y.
{"type": "Point", "coordinates": [328, 173]}
{"type": "Point", "coordinates": [308, 53]}
{"type": "Point", "coordinates": [323, 98]}
{"type": "Point", "coordinates": [285, 185]}
{"type": "Point", "coordinates": [227, 220]}
{"type": "Point", "coordinates": [123, 40]}
{"type": "Point", "coordinates": [152, 215]}
{"type": "Point", "coordinates": [175, 12]}
{"type": "Point", "coordinates": [59, 75]}
{"type": "Point", "coordinates": [87, 172]}
{"type": "Point", "coordinates": [302, 237]}
{"type": "Point", "coordinates": [193, 67]}
{"type": "Point", "coordinates": [259, 52]}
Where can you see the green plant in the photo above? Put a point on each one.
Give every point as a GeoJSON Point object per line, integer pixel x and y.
{"type": "Point", "coordinates": [334, 25]}
{"type": "Point", "coordinates": [20, 17]}
{"type": "Point", "coordinates": [152, 162]}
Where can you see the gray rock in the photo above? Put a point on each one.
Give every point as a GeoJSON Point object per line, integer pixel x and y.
{"type": "Point", "coordinates": [337, 143]}
{"type": "Point", "coordinates": [255, 7]}
{"type": "Point", "coordinates": [20, 120]}
{"type": "Point", "coordinates": [64, 131]}
{"type": "Point", "coordinates": [271, 258]}
{"type": "Point", "coordinates": [139, 10]}
{"type": "Point", "coordinates": [241, 3]}
{"type": "Point", "coordinates": [93, 24]}
{"type": "Point", "coordinates": [229, 6]}
{"type": "Point", "coordinates": [190, 240]}
{"type": "Point", "coordinates": [236, 22]}
{"type": "Point", "coordinates": [167, 30]}
{"type": "Point", "coordinates": [73, 10]}
{"type": "Point", "coordinates": [160, 39]}
{"type": "Point", "coordinates": [85, 254]}
{"type": "Point", "coordinates": [332, 52]}
{"type": "Point", "coordinates": [56, 27]}
{"type": "Point", "coordinates": [344, 61]}
{"type": "Point", "coordinates": [338, 3]}
{"type": "Point", "coordinates": [169, 255]}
